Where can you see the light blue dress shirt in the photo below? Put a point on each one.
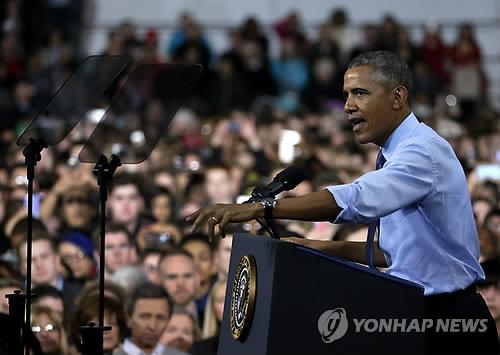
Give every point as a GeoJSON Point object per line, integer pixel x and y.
{"type": "Point", "coordinates": [427, 228]}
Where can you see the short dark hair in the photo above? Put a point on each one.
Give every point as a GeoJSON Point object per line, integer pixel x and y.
{"type": "Point", "coordinates": [38, 228]}
{"type": "Point", "coordinates": [156, 191]}
{"type": "Point", "coordinates": [47, 291]}
{"type": "Point", "coordinates": [148, 290]}
{"type": "Point", "coordinates": [111, 227]}
{"type": "Point", "coordinates": [127, 179]}
{"type": "Point", "coordinates": [175, 252]}
{"type": "Point", "coordinates": [388, 69]}
{"type": "Point", "coordinates": [39, 232]}
{"type": "Point", "coordinates": [197, 237]}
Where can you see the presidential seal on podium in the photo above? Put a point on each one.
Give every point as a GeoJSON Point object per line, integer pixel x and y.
{"type": "Point", "coordinates": [243, 297]}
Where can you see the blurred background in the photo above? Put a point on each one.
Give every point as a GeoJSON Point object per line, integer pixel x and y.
{"type": "Point", "coordinates": [270, 96]}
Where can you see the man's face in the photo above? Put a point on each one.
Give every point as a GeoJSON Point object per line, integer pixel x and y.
{"type": "Point", "coordinates": [179, 279]}
{"type": "Point", "coordinates": [118, 251]}
{"type": "Point", "coordinates": [491, 295]}
{"type": "Point", "coordinates": [125, 203]}
{"type": "Point", "coordinates": [148, 321]}
{"type": "Point", "coordinates": [218, 186]}
{"type": "Point", "coordinates": [369, 106]}
{"type": "Point", "coordinates": [44, 262]}
{"type": "Point", "coordinates": [202, 255]}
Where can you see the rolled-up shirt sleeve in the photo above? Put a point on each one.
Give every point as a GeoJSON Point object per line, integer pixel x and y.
{"type": "Point", "coordinates": [407, 177]}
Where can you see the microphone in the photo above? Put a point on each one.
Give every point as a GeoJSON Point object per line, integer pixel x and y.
{"type": "Point", "coordinates": [285, 180]}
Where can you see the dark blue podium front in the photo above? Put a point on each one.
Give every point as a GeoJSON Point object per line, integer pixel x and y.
{"type": "Point", "coordinates": [310, 303]}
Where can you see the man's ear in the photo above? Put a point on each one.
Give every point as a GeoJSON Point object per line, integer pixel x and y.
{"type": "Point", "coordinates": [400, 98]}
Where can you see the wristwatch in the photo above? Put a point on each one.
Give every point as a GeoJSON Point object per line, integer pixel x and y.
{"type": "Point", "coordinates": [268, 203]}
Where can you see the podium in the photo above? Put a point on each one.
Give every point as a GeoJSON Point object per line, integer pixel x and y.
{"type": "Point", "coordinates": [287, 299]}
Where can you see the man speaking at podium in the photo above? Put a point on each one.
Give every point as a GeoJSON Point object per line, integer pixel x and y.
{"type": "Point", "coordinates": [417, 199]}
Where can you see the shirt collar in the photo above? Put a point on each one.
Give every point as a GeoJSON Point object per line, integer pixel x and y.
{"type": "Point", "coordinates": [132, 349]}
{"type": "Point", "coordinates": [401, 132]}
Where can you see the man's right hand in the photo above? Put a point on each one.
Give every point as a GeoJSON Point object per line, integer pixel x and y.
{"type": "Point", "coordinates": [222, 214]}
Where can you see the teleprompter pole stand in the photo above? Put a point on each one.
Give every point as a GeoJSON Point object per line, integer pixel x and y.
{"type": "Point", "coordinates": [92, 336]}
{"type": "Point", "coordinates": [18, 302]}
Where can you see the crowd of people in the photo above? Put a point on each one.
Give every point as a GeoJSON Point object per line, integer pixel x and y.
{"type": "Point", "coordinates": [249, 116]}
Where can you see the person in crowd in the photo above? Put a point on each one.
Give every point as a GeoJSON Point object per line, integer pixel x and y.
{"type": "Point", "coordinates": [163, 232]}
{"type": "Point", "coordinates": [212, 322]}
{"type": "Point", "coordinates": [45, 261]}
{"type": "Point", "coordinates": [201, 249]}
{"type": "Point", "coordinates": [72, 204]}
{"type": "Point", "coordinates": [49, 330]}
{"type": "Point", "coordinates": [77, 255]}
{"type": "Point", "coordinates": [290, 70]}
{"type": "Point", "coordinates": [19, 230]}
{"type": "Point", "coordinates": [434, 52]}
{"type": "Point", "coordinates": [128, 277]}
{"type": "Point", "coordinates": [492, 221]}
{"type": "Point", "coordinates": [218, 185]}
{"type": "Point", "coordinates": [49, 296]}
{"type": "Point", "coordinates": [466, 59]}
{"type": "Point", "coordinates": [488, 243]}
{"type": "Point", "coordinates": [87, 311]}
{"type": "Point", "coordinates": [223, 255]}
{"type": "Point", "coordinates": [149, 310]}
{"type": "Point", "coordinates": [45, 268]}
{"type": "Point", "coordinates": [179, 278]}
{"type": "Point", "coordinates": [150, 263]}
{"type": "Point", "coordinates": [119, 248]}
{"type": "Point", "coordinates": [182, 330]}
{"type": "Point", "coordinates": [481, 207]}
{"type": "Point", "coordinates": [126, 201]}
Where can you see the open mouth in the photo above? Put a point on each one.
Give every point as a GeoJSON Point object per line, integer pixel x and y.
{"type": "Point", "coordinates": [357, 123]}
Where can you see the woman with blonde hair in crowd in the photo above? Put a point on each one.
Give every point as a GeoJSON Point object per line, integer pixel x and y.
{"type": "Point", "coordinates": [212, 321]}
{"type": "Point", "coordinates": [48, 328]}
